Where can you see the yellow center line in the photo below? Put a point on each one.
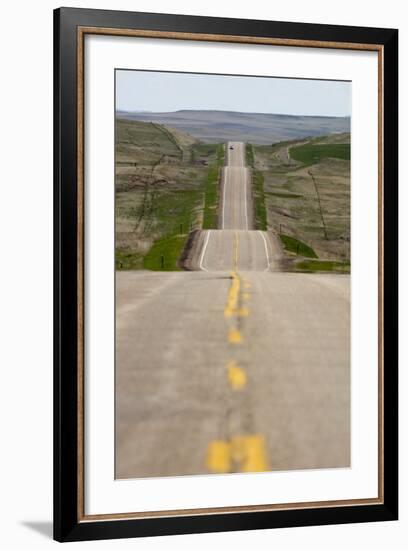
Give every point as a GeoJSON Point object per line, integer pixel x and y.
{"type": "Point", "coordinates": [234, 336]}
{"type": "Point", "coordinates": [233, 296]}
{"type": "Point", "coordinates": [249, 452]}
{"type": "Point", "coordinates": [232, 202]}
{"type": "Point", "coordinates": [239, 453]}
{"type": "Point", "coordinates": [218, 457]}
{"type": "Point", "coordinates": [242, 453]}
{"type": "Point", "coordinates": [236, 375]}
{"type": "Point", "coordinates": [235, 260]}
{"type": "Point", "coordinates": [232, 307]}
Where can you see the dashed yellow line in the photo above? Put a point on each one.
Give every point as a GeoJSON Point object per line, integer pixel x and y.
{"type": "Point", "coordinates": [218, 457]}
{"type": "Point", "coordinates": [249, 451]}
{"type": "Point", "coordinates": [233, 296]}
{"type": "Point", "coordinates": [240, 453]}
{"type": "Point", "coordinates": [234, 336]}
{"type": "Point", "coordinates": [232, 306]}
{"type": "Point", "coordinates": [243, 453]}
{"type": "Point", "coordinates": [236, 375]}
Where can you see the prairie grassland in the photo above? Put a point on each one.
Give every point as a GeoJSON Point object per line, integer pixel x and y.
{"type": "Point", "coordinates": [166, 184]}
{"type": "Point", "coordinates": [306, 185]}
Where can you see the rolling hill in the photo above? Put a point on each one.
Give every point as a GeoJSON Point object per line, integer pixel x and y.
{"type": "Point", "coordinates": [256, 128]}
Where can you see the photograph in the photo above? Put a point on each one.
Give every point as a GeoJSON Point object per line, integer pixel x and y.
{"type": "Point", "coordinates": [232, 273]}
{"type": "Point", "coordinates": [202, 346]}
{"type": "Point", "coordinates": [225, 270]}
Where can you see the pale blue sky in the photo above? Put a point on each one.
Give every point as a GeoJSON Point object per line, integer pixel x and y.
{"type": "Point", "coordinates": [164, 92]}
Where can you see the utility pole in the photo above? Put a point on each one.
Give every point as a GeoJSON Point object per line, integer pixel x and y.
{"type": "Point", "coordinates": [320, 204]}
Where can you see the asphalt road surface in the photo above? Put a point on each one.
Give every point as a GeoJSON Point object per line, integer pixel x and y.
{"type": "Point", "coordinates": [237, 250]}
{"type": "Point", "coordinates": [236, 367]}
{"type": "Point", "coordinates": [236, 202]}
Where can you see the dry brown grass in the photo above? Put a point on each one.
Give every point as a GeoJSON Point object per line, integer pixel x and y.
{"type": "Point", "coordinates": [292, 201]}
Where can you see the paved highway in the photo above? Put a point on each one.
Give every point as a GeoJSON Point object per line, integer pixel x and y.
{"type": "Point", "coordinates": [236, 201]}
{"type": "Point", "coordinates": [237, 249]}
{"type": "Point", "coordinates": [235, 367]}
{"type": "Point", "coordinates": [235, 245]}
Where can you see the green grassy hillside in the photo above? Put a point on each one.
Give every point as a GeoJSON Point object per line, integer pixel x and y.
{"type": "Point", "coordinates": [166, 184]}
{"type": "Point", "coordinates": [306, 188]}
{"type": "Point", "coordinates": [311, 153]}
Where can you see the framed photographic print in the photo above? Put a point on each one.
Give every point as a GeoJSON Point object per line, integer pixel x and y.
{"type": "Point", "coordinates": [225, 274]}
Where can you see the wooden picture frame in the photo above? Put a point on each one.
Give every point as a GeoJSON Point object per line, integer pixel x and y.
{"type": "Point", "coordinates": [70, 27]}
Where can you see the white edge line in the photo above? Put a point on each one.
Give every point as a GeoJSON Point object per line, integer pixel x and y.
{"type": "Point", "coordinates": [200, 265]}
{"type": "Point", "coordinates": [224, 185]}
{"type": "Point", "coordinates": [245, 196]}
{"type": "Point", "coordinates": [266, 249]}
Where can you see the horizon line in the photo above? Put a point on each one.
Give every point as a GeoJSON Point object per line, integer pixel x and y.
{"type": "Point", "coordinates": [230, 111]}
